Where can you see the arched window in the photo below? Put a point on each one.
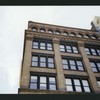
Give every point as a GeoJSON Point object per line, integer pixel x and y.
{"type": "Point", "coordinates": [50, 31]}
{"type": "Point", "coordinates": [93, 37]}
{"type": "Point", "coordinates": [86, 36]}
{"type": "Point", "coordinates": [57, 32]}
{"type": "Point", "coordinates": [79, 35]}
{"type": "Point", "coordinates": [65, 33]}
{"type": "Point", "coordinates": [72, 34]}
{"type": "Point", "coordinates": [34, 29]}
{"type": "Point", "coordinates": [42, 30]}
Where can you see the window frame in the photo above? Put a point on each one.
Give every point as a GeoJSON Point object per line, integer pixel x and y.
{"type": "Point", "coordinates": [47, 81]}
{"type": "Point", "coordinates": [42, 41]}
{"type": "Point", "coordinates": [96, 66]}
{"type": "Point", "coordinates": [71, 46]}
{"type": "Point", "coordinates": [46, 63]}
{"type": "Point", "coordinates": [81, 84]}
{"type": "Point", "coordinates": [76, 65]}
{"type": "Point", "coordinates": [95, 47]}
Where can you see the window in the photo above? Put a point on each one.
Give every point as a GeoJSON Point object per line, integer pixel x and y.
{"type": "Point", "coordinates": [57, 32]}
{"type": "Point", "coordinates": [43, 82]}
{"type": "Point", "coordinates": [72, 34]}
{"type": "Point", "coordinates": [87, 50]}
{"type": "Point", "coordinates": [72, 64]}
{"type": "Point", "coordinates": [86, 36]}
{"type": "Point", "coordinates": [98, 81]}
{"type": "Point", "coordinates": [34, 29]}
{"type": "Point", "coordinates": [42, 44]}
{"type": "Point", "coordinates": [77, 84]}
{"type": "Point", "coordinates": [50, 31]}
{"type": "Point", "coordinates": [42, 30]}
{"type": "Point", "coordinates": [62, 48]}
{"type": "Point", "coordinates": [95, 65]}
{"type": "Point", "coordinates": [92, 50]}
{"type": "Point", "coordinates": [65, 33]}
{"type": "Point", "coordinates": [93, 37]}
{"type": "Point", "coordinates": [70, 48]}
{"type": "Point", "coordinates": [52, 83]}
{"type": "Point", "coordinates": [79, 35]}
{"type": "Point", "coordinates": [42, 61]}
{"type": "Point", "coordinates": [33, 82]}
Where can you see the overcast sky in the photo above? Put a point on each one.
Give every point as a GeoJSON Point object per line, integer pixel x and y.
{"type": "Point", "coordinates": [14, 21]}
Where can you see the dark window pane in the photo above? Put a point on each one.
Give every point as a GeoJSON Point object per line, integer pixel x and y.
{"type": "Point", "coordinates": [76, 82]}
{"type": "Point", "coordinates": [94, 69]}
{"type": "Point", "coordinates": [34, 63]}
{"type": "Point", "coordinates": [93, 51]}
{"type": "Point", "coordinates": [98, 83]}
{"type": "Point", "coordinates": [92, 64]}
{"type": "Point", "coordinates": [43, 64]}
{"type": "Point", "coordinates": [87, 89]}
{"type": "Point", "coordinates": [68, 81]}
{"type": "Point", "coordinates": [42, 59]}
{"type": "Point", "coordinates": [73, 67]}
{"type": "Point", "coordinates": [62, 48]}
{"type": "Point", "coordinates": [52, 87]}
{"type": "Point", "coordinates": [50, 60]}
{"type": "Point", "coordinates": [51, 65]}
{"type": "Point", "coordinates": [69, 88]}
{"type": "Point", "coordinates": [78, 88]}
{"type": "Point", "coordinates": [87, 50]}
{"type": "Point", "coordinates": [35, 43]}
{"type": "Point", "coordinates": [33, 78]}
{"type": "Point", "coordinates": [72, 62]}
{"type": "Point", "coordinates": [75, 50]}
{"type": "Point", "coordinates": [65, 67]}
{"type": "Point", "coordinates": [68, 47]}
{"type": "Point", "coordinates": [85, 83]}
{"type": "Point", "coordinates": [34, 58]}
{"type": "Point", "coordinates": [79, 62]}
{"type": "Point", "coordinates": [33, 86]}
{"type": "Point", "coordinates": [34, 46]}
{"type": "Point", "coordinates": [49, 48]}
{"type": "Point", "coordinates": [42, 79]}
{"type": "Point", "coordinates": [98, 64]}
{"type": "Point", "coordinates": [42, 44]}
{"type": "Point", "coordinates": [43, 86]}
{"type": "Point", "coordinates": [64, 61]}
{"type": "Point", "coordinates": [80, 68]}
{"type": "Point", "coordinates": [52, 80]}
{"type": "Point", "coordinates": [98, 51]}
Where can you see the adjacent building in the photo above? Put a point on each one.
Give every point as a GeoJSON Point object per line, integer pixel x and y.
{"type": "Point", "coordinates": [60, 60]}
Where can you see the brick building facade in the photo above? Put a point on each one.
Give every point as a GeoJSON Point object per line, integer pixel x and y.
{"type": "Point", "coordinates": [60, 60]}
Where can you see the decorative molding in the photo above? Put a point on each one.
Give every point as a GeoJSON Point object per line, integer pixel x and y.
{"type": "Point", "coordinates": [61, 37]}
{"type": "Point", "coordinates": [55, 40]}
{"type": "Point", "coordinates": [80, 44]}
{"type": "Point", "coordinates": [29, 37]}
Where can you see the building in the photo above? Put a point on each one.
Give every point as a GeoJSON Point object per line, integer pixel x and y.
{"type": "Point", "coordinates": [60, 60]}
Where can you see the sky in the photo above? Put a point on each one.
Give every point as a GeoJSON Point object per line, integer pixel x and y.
{"type": "Point", "coordinates": [14, 21]}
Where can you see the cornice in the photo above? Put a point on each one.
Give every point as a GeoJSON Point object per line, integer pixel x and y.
{"type": "Point", "coordinates": [31, 34]}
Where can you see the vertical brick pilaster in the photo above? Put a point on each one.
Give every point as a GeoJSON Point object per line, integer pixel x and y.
{"type": "Point", "coordinates": [92, 78]}
{"type": "Point", "coordinates": [25, 77]}
{"type": "Point", "coordinates": [59, 68]}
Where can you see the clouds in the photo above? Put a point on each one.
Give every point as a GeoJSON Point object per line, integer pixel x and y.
{"type": "Point", "coordinates": [14, 21]}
